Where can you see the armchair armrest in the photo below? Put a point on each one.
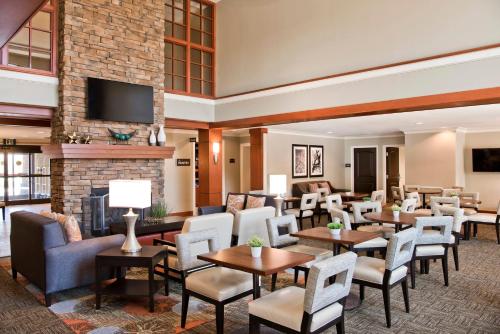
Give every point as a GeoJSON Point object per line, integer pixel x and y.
{"type": "Point", "coordinates": [206, 210]}
{"type": "Point", "coordinates": [163, 242]}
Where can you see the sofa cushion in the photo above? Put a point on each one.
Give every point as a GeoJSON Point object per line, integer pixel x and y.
{"type": "Point", "coordinates": [313, 187]}
{"type": "Point", "coordinates": [325, 185]}
{"type": "Point", "coordinates": [219, 283]}
{"type": "Point", "coordinates": [255, 202]}
{"type": "Point", "coordinates": [235, 203]}
{"type": "Point", "coordinates": [68, 223]}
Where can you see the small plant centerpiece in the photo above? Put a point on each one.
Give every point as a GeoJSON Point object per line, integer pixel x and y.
{"type": "Point", "coordinates": [367, 199]}
{"type": "Point", "coordinates": [158, 212]}
{"type": "Point", "coordinates": [454, 194]}
{"type": "Point", "coordinates": [255, 244]}
{"type": "Point", "coordinates": [335, 226]}
{"type": "Point", "coordinates": [396, 209]}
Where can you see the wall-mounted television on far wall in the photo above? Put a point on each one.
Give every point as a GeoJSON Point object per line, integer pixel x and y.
{"type": "Point", "coordinates": [486, 159]}
{"type": "Point", "coordinates": [119, 101]}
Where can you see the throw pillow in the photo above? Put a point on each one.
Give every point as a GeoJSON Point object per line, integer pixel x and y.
{"type": "Point", "coordinates": [235, 203]}
{"type": "Point", "coordinates": [255, 202]}
{"type": "Point", "coordinates": [313, 187]}
{"type": "Point", "coordinates": [325, 185]}
{"type": "Point", "coordinates": [69, 224]}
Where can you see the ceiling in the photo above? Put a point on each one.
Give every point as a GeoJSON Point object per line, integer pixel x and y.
{"type": "Point", "coordinates": [24, 133]}
{"type": "Point", "coordinates": [474, 118]}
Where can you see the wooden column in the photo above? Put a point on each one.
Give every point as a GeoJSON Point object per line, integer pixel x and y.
{"type": "Point", "coordinates": [210, 173]}
{"type": "Point", "coordinates": [257, 158]}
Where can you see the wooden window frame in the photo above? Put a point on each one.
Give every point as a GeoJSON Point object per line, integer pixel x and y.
{"type": "Point", "coordinates": [188, 44]}
{"type": "Point", "coordinates": [4, 52]}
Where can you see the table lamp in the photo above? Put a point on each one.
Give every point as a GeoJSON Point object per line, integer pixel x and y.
{"type": "Point", "coordinates": [130, 194]}
{"type": "Point", "coordinates": [277, 186]}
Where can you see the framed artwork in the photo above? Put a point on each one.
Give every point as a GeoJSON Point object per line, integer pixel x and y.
{"type": "Point", "coordinates": [299, 161]}
{"type": "Point", "coordinates": [316, 160]}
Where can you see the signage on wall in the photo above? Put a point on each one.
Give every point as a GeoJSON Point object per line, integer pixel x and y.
{"type": "Point", "coordinates": [192, 140]}
{"type": "Point", "coordinates": [232, 160]}
{"type": "Point", "coordinates": [347, 165]}
{"type": "Point", "coordinates": [183, 162]}
{"type": "Point", "coordinates": [9, 142]}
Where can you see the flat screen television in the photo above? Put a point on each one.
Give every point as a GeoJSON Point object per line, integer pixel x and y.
{"type": "Point", "coordinates": [486, 159]}
{"type": "Point", "coordinates": [119, 101]}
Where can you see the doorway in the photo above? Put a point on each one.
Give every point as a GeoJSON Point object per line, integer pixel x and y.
{"type": "Point", "coordinates": [365, 169]}
{"type": "Point", "coordinates": [394, 168]}
{"type": "Point", "coordinates": [245, 168]}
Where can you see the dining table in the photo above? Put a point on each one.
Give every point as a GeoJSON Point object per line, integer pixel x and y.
{"type": "Point", "coordinates": [404, 219]}
{"type": "Point", "coordinates": [425, 192]}
{"type": "Point", "coordinates": [271, 261]}
{"type": "Point", "coordinates": [353, 196]}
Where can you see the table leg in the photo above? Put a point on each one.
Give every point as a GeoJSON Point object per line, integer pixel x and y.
{"type": "Point", "coordinates": [256, 286]}
{"type": "Point", "coordinates": [424, 204]}
{"type": "Point", "coordinates": [97, 286]}
{"type": "Point", "coordinates": [166, 274]}
{"type": "Point", "coordinates": [151, 288]}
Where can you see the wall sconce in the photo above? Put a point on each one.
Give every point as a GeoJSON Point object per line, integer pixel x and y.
{"type": "Point", "coordinates": [215, 151]}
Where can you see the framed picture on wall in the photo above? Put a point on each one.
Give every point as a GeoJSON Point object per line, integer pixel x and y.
{"type": "Point", "coordinates": [299, 161]}
{"type": "Point", "coordinates": [316, 160]}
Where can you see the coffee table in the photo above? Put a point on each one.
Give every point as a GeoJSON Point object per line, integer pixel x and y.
{"type": "Point", "coordinates": [272, 261]}
{"type": "Point", "coordinates": [169, 224]}
{"type": "Point", "coordinates": [147, 257]}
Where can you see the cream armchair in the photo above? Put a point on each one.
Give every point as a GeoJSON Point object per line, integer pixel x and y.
{"type": "Point", "coordinates": [251, 222]}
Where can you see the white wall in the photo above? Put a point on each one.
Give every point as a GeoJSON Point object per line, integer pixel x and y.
{"type": "Point", "coordinates": [22, 88]}
{"type": "Point", "coordinates": [231, 170]}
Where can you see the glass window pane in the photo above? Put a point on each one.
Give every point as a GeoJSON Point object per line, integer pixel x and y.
{"type": "Point", "coordinates": [179, 83]}
{"type": "Point", "coordinates": [195, 36]}
{"type": "Point", "coordinates": [207, 88]}
{"type": "Point", "coordinates": [207, 25]}
{"type": "Point", "coordinates": [168, 13]}
{"type": "Point", "coordinates": [207, 58]}
{"type": "Point", "coordinates": [40, 188]}
{"type": "Point", "coordinates": [169, 2]}
{"type": "Point", "coordinates": [179, 4]}
{"type": "Point", "coordinates": [179, 67]}
{"type": "Point", "coordinates": [195, 22]}
{"type": "Point", "coordinates": [168, 49]}
{"type": "Point", "coordinates": [179, 52]}
{"type": "Point", "coordinates": [207, 73]}
{"type": "Point", "coordinates": [2, 188]}
{"type": "Point", "coordinates": [18, 164]}
{"type": "Point", "coordinates": [41, 164]}
{"type": "Point", "coordinates": [18, 188]}
{"type": "Point", "coordinates": [19, 56]}
{"type": "Point", "coordinates": [195, 71]}
{"type": "Point", "coordinates": [179, 32]}
{"type": "Point", "coordinates": [21, 38]}
{"type": "Point", "coordinates": [179, 17]}
{"type": "Point", "coordinates": [40, 39]}
{"type": "Point", "coordinates": [168, 28]}
{"type": "Point", "coordinates": [196, 86]}
{"type": "Point", "coordinates": [40, 60]}
{"type": "Point", "coordinates": [168, 65]}
{"type": "Point", "coordinates": [207, 11]}
{"type": "Point", "coordinates": [195, 56]}
{"type": "Point", "coordinates": [168, 81]}
{"type": "Point", "coordinates": [207, 40]}
{"type": "Point", "coordinates": [41, 20]}
{"type": "Point", "coordinates": [195, 7]}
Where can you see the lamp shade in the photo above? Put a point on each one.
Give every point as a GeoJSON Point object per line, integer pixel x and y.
{"type": "Point", "coordinates": [130, 194]}
{"type": "Point", "coordinates": [277, 184]}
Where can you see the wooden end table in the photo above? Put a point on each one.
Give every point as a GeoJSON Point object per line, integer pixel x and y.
{"type": "Point", "coordinates": [147, 257]}
{"type": "Point", "coordinates": [169, 224]}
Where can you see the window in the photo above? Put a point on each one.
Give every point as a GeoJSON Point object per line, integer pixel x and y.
{"type": "Point", "coordinates": [189, 47]}
{"type": "Point", "coordinates": [33, 48]}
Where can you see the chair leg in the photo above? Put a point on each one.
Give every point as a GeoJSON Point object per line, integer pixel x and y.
{"type": "Point", "coordinates": [475, 230]}
{"type": "Point", "coordinates": [273, 281]}
{"type": "Point", "coordinates": [14, 273]}
{"type": "Point", "coordinates": [312, 221]}
{"type": "Point", "coordinates": [422, 267]}
{"type": "Point", "coordinates": [413, 273]}
{"type": "Point", "coordinates": [300, 223]}
{"type": "Point", "coordinates": [306, 275]}
{"type": "Point", "coordinates": [295, 276]}
{"type": "Point", "coordinates": [444, 262]}
{"type": "Point", "coordinates": [219, 318]}
{"type": "Point", "coordinates": [387, 305]}
{"type": "Point", "coordinates": [253, 325]}
{"type": "Point", "coordinates": [497, 227]}
{"type": "Point", "coordinates": [361, 293]}
{"type": "Point", "coordinates": [404, 285]}
{"type": "Point", "coordinates": [340, 326]}
{"type": "Point", "coordinates": [48, 299]}
{"type": "Point", "coordinates": [184, 309]}
{"type": "Point", "coordinates": [455, 257]}
{"type": "Point", "coordinates": [427, 265]}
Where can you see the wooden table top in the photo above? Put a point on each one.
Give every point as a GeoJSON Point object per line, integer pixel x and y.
{"type": "Point", "coordinates": [386, 216]}
{"type": "Point", "coordinates": [429, 191]}
{"type": "Point", "coordinates": [272, 260]}
{"type": "Point", "coordinates": [346, 237]}
{"type": "Point", "coordinates": [146, 252]}
{"type": "Point", "coordinates": [291, 199]}
{"type": "Point", "coordinates": [353, 195]}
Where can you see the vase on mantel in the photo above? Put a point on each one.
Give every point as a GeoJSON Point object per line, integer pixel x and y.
{"type": "Point", "coordinates": [152, 138]}
{"type": "Point", "coordinates": [161, 136]}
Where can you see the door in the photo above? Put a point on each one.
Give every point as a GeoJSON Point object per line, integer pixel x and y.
{"type": "Point", "coordinates": [365, 169]}
{"type": "Point", "coordinates": [392, 170]}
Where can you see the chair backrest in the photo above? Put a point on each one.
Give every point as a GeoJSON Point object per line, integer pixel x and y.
{"type": "Point", "coordinates": [184, 241]}
{"type": "Point", "coordinates": [359, 207]}
{"type": "Point", "coordinates": [448, 192]}
{"type": "Point", "coordinates": [274, 224]}
{"type": "Point", "coordinates": [438, 190]}
{"type": "Point", "coordinates": [378, 196]}
{"type": "Point", "coordinates": [251, 222]}
{"type": "Point", "coordinates": [408, 188]}
{"type": "Point", "coordinates": [409, 205]}
{"type": "Point", "coordinates": [456, 213]}
{"type": "Point", "coordinates": [397, 193]}
{"type": "Point", "coordinates": [221, 222]}
{"type": "Point", "coordinates": [442, 223]}
{"type": "Point", "coordinates": [317, 295]}
{"type": "Point", "coordinates": [322, 193]}
{"type": "Point", "coordinates": [333, 201]}
{"type": "Point", "coordinates": [444, 201]}
{"type": "Point", "coordinates": [400, 248]}
{"type": "Point", "coordinates": [415, 195]}
{"type": "Point", "coordinates": [343, 216]}
{"type": "Point", "coordinates": [308, 201]}
{"type": "Point", "coordinates": [470, 195]}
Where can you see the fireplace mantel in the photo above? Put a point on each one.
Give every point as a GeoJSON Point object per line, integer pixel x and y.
{"type": "Point", "coordinates": [105, 151]}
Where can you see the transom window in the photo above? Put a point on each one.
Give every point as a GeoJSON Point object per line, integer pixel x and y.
{"type": "Point", "coordinates": [189, 47]}
{"type": "Point", "coordinates": [33, 48]}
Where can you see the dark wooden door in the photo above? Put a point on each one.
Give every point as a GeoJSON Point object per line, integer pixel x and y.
{"type": "Point", "coordinates": [365, 169]}
{"type": "Point", "coordinates": [392, 170]}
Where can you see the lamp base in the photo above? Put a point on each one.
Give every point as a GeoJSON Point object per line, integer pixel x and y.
{"type": "Point", "coordinates": [131, 245]}
{"type": "Point", "coordinates": [278, 203]}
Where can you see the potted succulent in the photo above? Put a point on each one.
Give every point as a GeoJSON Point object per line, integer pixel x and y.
{"type": "Point", "coordinates": [396, 209]}
{"type": "Point", "coordinates": [255, 244]}
{"type": "Point", "coordinates": [158, 212]}
{"type": "Point", "coordinates": [335, 226]}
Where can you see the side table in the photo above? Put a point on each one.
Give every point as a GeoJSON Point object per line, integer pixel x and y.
{"type": "Point", "coordinates": [147, 257]}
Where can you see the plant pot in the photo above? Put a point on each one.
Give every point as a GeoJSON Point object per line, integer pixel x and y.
{"type": "Point", "coordinates": [256, 251]}
{"type": "Point", "coordinates": [395, 214]}
{"type": "Point", "coordinates": [335, 231]}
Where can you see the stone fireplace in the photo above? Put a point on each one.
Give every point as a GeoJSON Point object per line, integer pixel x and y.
{"type": "Point", "coordinates": [118, 40]}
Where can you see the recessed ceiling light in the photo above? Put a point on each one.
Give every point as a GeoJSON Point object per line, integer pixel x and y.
{"type": "Point", "coordinates": [419, 123]}
{"type": "Point", "coordinates": [330, 132]}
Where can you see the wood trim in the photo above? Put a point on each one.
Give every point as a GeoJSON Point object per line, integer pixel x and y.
{"type": "Point", "coordinates": [428, 102]}
{"type": "Point", "coordinates": [257, 158]}
{"type": "Point", "coordinates": [25, 111]}
{"type": "Point", "coordinates": [181, 213]}
{"type": "Point", "coordinates": [177, 123]}
{"type": "Point", "coordinates": [210, 173]}
{"type": "Point", "coordinates": [104, 151]}
{"type": "Point", "coordinates": [25, 122]}
{"type": "Point", "coordinates": [373, 68]}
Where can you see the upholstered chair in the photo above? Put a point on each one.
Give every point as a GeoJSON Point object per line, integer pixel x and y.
{"type": "Point", "coordinates": [409, 188]}
{"type": "Point", "coordinates": [485, 219]}
{"type": "Point", "coordinates": [397, 194]}
{"type": "Point", "coordinates": [310, 310]}
{"type": "Point", "coordinates": [378, 196]}
{"type": "Point", "coordinates": [251, 222]}
{"type": "Point", "coordinates": [279, 229]}
{"type": "Point", "coordinates": [370, 246]}
{"type": "Point", "coordinates": [363, 224]}
{"type": "Point", "coordinates": [443, 201]}
{"type": "Point", "coordinates": [431, 246]}
{"type": "Point", "coordinates": [409, 205]}
{"type": "Point", "coordinates": [448, 192]}
{"type": "Point", "coordinates": [321, 208]}
{"type": "Point", "coordinates": [416, 196]}
{"type": "Point", "coordinates": [306, 209]}
{"type": "Point", "coordinates": [221, 222]}
{"type": "Point", "coordinates": [332, 201]}
{"type": "Point", "coordinates": [472, 208]}
{"type": "Point", "coordinates": [214, 285]}
{"type": "Point", "coordinates": [386, 274]}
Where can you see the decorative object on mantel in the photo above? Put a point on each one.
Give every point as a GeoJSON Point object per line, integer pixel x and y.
{"type": "Point", "coordinates": [152, 138]}
{"type": "Point", "coordinates": [73, 138]}
{"type": "Point", "coordinates": [130, 194]}
{"type": "Point", "coordinates": [87, 140]}
{"type": "Point", "coordinates": [121, 137]}
{"type": "Point", "coordinates": [161, 138]}
{"type": "Point", "coordinates": [158, 212]}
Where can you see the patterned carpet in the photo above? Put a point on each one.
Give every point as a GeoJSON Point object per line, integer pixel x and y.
{"type": "Point", "coordinates": [470, 305]}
